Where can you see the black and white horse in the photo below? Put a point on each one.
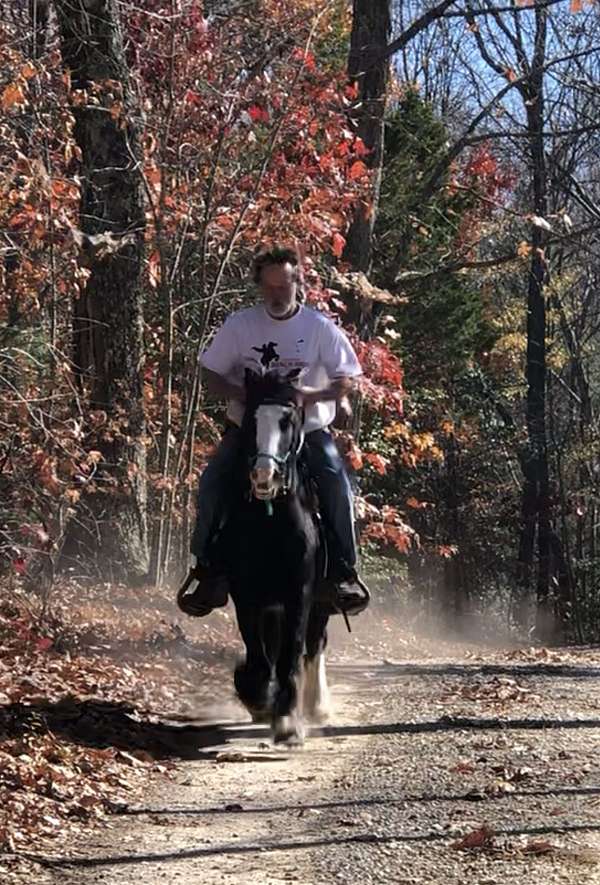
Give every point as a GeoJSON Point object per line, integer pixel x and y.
{"type": "Point", "coordinates": [270, 550]}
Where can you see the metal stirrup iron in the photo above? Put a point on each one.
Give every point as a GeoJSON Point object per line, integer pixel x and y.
{"type": "Point", "coordinates": [191, 576]}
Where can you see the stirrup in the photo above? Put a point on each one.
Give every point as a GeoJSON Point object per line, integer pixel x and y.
{"type": "Point", "coordinates": [328, 593]}
{"type": "Point", "coordinates": [356, 607]}
{"type": "Point", "coordinates": [183, 602]}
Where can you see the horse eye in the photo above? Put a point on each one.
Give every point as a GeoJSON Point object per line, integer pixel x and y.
{"type": "Point", "coordinates": [285, 422]}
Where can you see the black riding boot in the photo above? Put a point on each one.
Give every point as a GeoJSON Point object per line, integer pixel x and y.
{"type": "Point", "coordinates": [212, 591]}
{"type": "Point", "coordinates": [343, 591]}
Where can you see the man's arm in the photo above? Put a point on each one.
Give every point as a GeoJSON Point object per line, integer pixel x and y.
{"type": "Point", "coordinates": [221, 388]}
{"type": "Point", "coordinates": [338, 390]}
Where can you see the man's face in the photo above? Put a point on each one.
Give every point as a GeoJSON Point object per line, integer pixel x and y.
{"type": "Point", "coordinates": [278, 288]}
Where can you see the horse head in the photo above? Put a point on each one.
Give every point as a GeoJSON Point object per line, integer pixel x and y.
{"type": "Point", "coordinates": [273, 422]}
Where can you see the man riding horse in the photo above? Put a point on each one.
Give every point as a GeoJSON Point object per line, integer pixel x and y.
{"type": "Point", "coordinates": [280, 334]}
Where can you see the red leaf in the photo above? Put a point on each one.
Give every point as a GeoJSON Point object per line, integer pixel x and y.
{"type": "Point", "coordinates": [475, 839]}
{"type": "Point", "coordinates": [19, 565]}
{"type": "Point", "coordinates": [339, 305]}
{"type": "Point", "coordinates": [43, 643]}
{"type": "Point", "coordinates": [360, 148]}
{"type": "Point", "coordinates": [154, 269]}
{"type": "Point", "coordinates": [337, 245]}
{"type": "Point", "coordinates": [357, 170]}
{"type": "Point", "coordinates": [192, 97]}
{"type": "Point", "coordinates": [354, 456]}
{"type": "Point", "coordinates": [258, 114]}
{"type": "Point", "coordinates": [539, 846]}
{"type": "Point", "coordinates": [377, 462]}
{"type": "Point", "coordinates": [306, 57]}
{"type": "Point", "coordinates": [416, 504]}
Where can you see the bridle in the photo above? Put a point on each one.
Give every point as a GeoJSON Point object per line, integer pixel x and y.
{"type": "Point", "coordinates": [286, 462]}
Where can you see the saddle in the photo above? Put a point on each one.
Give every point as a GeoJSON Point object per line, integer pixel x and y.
{"type": "Point", "coordinates": [332, 570]}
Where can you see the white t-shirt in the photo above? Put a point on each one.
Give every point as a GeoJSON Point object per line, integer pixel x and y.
{"type": "Point", "coordinates": [309, 341]}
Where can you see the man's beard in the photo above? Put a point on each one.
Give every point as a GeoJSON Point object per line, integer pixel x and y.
{"type": "Point", "coordinates": [281, 310]}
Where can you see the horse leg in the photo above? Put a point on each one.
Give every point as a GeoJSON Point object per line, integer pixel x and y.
{"type": "Point", "coordinates": [253, 678]}
{"type": "Point", "coordinates": [287, 723]}
{"type": "Point", "coordinates": [317, 700]}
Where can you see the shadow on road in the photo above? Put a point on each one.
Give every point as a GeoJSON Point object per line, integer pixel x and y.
{"type": "Point", "coordinates": [236, 809]}
{"type": "Point", "coordinates": [389, 670]}
{"type": "Point", "coordinates": [106, 724]}
{"type": "Point", "coordinates": [291, 845]}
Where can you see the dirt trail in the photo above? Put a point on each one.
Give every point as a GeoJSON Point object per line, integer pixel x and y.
{"type": "Point", "coordinates": [421, 752]}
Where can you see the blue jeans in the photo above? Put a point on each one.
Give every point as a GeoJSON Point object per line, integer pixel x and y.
{"type": "Point", "coordinates": [325, 466]}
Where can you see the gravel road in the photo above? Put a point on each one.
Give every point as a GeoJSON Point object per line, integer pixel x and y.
{"type": "Point", "coordinates": [442, 765]}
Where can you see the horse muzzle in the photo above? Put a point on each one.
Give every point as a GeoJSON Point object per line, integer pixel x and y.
{"type": "Point", "coordinates": [265, 483]}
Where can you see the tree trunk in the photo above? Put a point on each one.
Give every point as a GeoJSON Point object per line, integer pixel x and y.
{"type": "Point", "coordinates": [369, 68]}
{"type": "Point", "coordinates": [535, 508]}
{"type": "Point", "coordinates": [108, 315]}
{"type": "Point", "coordinates": [455, 595]}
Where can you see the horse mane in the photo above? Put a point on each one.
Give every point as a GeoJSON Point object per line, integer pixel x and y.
{"type": "Point", "coordinates": [271, 387]}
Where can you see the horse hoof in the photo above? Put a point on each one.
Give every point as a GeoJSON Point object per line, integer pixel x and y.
{"type": "Point", "coordinates": [289, 731]}
{"type": "Point", "coordinates": [260, 717]}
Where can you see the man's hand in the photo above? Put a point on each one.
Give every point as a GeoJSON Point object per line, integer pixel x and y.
{"type": "Point", "coordinates": [338, 390]}
{"type": "Point", "coordinates": [343, 415]}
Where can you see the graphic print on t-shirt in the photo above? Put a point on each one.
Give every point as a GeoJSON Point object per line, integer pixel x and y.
{"type": "Point", "coordinates": [308, 341]}
{"type": "Point", "coordinates": [269, 354]}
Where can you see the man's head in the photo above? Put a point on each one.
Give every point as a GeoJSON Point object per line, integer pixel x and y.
{"type": "Point", "coordinates": [276, 272]}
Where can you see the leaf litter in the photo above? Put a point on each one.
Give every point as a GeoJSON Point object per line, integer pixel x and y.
{"type": "Point", "coordinates": [81, 690]}
{"type": "Point", "coordinates": [484, 839]}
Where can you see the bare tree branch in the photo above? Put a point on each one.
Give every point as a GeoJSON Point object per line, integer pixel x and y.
{"type": "Point", "coordinates": [440, 11]}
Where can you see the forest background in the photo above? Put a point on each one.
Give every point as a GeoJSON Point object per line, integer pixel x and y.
{"type": "Point", "coordinates": [435, 163]}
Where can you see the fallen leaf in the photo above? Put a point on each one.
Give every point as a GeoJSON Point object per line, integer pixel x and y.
{"type": "Point", "coordinates": [464, 768]}
{"type": "Point", "coordinates": [539, 846]}
{"type": "Point", "coordinates": [499, 787]}
{"type": "Point", "coordinates": [248, 756]}
{"type": "Point", "coordinates": [479, 838]}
